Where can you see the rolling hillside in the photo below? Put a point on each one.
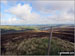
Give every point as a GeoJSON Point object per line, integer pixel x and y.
{"type": "Point", "coordinates": [36, 42]}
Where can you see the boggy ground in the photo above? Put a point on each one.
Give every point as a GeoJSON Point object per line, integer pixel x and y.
{"type": "Point", "coordinates": [63, 33]}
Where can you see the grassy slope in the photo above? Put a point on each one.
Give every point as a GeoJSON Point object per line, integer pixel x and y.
{"type": "Point", "coordinates": [35, 45]}
{"type": "Point", "coordinates": [38, 46]}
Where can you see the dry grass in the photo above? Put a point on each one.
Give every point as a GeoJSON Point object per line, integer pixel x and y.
{"type": "Point", "coordinates": [38, 46]}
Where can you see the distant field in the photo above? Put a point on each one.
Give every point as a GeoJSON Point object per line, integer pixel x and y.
{"type": "Point", "coordinates": [16, 27]}
{"type": "Point", "coordinates": [13, 29]}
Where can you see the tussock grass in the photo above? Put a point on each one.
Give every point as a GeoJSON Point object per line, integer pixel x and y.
{"type": "Point", "coordinates": [39, 46]}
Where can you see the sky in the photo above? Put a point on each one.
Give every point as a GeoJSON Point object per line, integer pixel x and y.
{"type": "Point", "coordinates": [21, 12]}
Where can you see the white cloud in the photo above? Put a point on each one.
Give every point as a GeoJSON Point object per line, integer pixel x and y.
{"type": "Point", "coordinates": [52, 5]}
{"type": "Point", "coordinates": [26, 16]}
{"type": "Point", "coordinates": [12, 21]}
{"type": "Point", "coordinates": [22, 11]}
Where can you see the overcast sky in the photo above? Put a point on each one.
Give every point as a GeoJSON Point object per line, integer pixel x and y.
{"type": "Point", "coordinates": [37, 12]}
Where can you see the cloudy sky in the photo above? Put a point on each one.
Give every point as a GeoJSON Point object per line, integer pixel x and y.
{"type": "Point", "coordinates": [37, 12]}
